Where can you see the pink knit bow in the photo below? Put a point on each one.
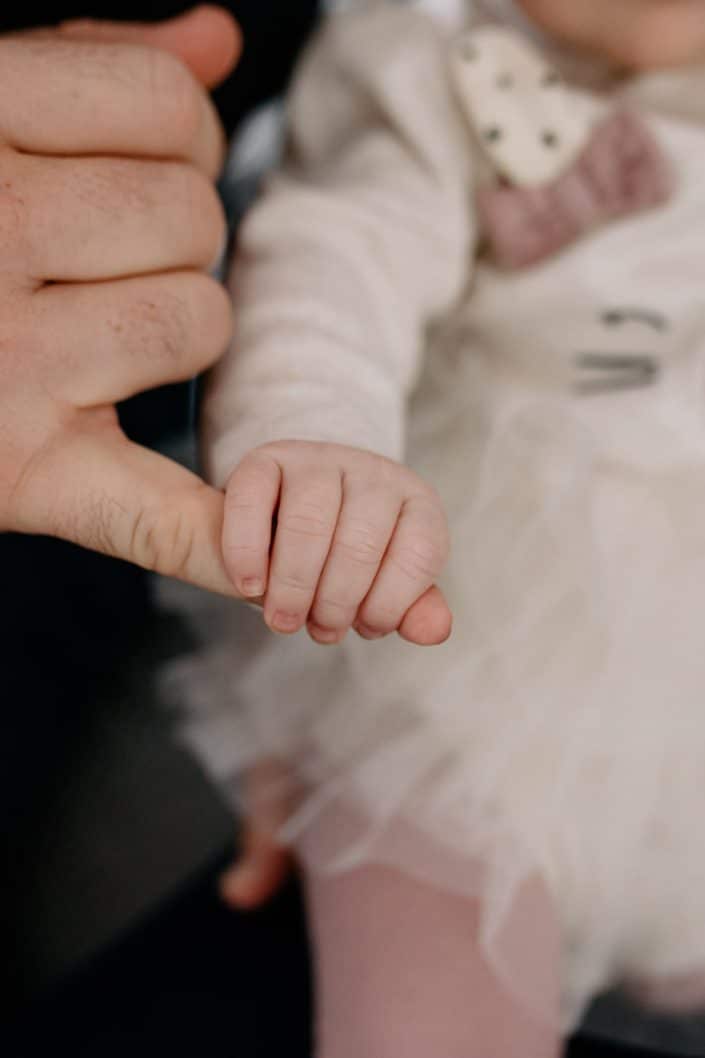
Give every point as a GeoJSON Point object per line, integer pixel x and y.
{"type": "Point", "coordinates": [621, 171]}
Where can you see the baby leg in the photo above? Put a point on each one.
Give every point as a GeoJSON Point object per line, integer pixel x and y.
{"type": "Point", "coordinates": [399, 972]}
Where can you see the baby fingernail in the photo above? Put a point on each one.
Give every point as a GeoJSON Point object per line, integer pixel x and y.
{"type": "Point", "coordinates": [252, 588]}
{"type": "Point", "coordinates": [368, 633]}
{"type": "Point", "coordinates": [325, 635]}
{"type": "Point", "coordinates": [286, 622]}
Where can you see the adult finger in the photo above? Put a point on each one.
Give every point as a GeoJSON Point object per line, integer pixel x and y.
{"type": "Point", "coordinates": [308, 512]}
{"type": "Point", "coordinates": [414, 560]}
{"type": "Point", "coordinates": [97, 489]}
{"type": "Point", "coordinates": [365, 527]}
{"type": "Point", "coordinates": [73, 97]}
{"type": "Point", "coordinates": [207, 39]}
{"type": "Point", "coordinates": [105, 342]}
{"type": "Point", "coordinates": [101, 218]}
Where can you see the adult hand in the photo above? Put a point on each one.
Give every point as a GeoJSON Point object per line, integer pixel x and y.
{"type": "Point", "coordinates": [109, 224]}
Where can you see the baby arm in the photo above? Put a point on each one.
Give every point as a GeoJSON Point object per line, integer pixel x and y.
{"type": "Point", "coordinates": [356, 247]}
{"type": "Point", "coordinates": [360, 242]}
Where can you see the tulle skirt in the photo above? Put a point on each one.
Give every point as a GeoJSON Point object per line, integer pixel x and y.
{"type": "Point", "coordinates": [559, 734]}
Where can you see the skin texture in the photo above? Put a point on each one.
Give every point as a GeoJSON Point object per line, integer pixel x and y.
{"type": "Point", "coordinates": [358, 540]}
{"type": "Point", "coordinates": [108, 149]}
{"type": "Point", "coordinates": [206, 39]}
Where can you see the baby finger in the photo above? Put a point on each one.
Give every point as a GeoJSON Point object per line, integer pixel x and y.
{"type": "Point", "coordinates": [414, 560]}
{"type": "Point", "coordinates": [308, 513]}
{"type": "Point", "coordinates": [365, 527]}
{"type": "Point", "coordinates": [250, 502]}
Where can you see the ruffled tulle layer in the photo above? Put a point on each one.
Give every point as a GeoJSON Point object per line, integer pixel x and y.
{"type": "Point", "coordinates": [560, 734]}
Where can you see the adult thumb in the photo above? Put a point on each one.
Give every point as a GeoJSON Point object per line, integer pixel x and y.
{"type": "Point", "coordinates": [206, 39]}
{"type": "Point", "coordinates": [101, 491]}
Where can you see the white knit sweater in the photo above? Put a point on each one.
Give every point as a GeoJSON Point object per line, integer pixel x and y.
{"type": "Point", "coordinates": [357, 246]}
{"type": "Point", "coordinates": [361, 242]}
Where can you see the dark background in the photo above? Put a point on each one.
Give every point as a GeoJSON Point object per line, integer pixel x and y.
{"type": "Point", "coordinates": [102, 816]}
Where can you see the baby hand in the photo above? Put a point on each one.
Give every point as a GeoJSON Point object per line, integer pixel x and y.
{"type": "Point", "coordinates": [332, 538]}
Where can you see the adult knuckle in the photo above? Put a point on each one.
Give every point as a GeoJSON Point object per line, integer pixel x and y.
{"type": "Point", "coordinates": [208, 213]}
{"type": "Point", "coordinates": [199, 213]}
{"type": "Point", "coordinates": [14, 217]}
{"type": "Point", "coordinates": [110, 186]}
{"type": "Point", "coordinates": [156, 327]}
{"type": "Point", "coordinates": [22, 351]}
{"type": "Point", "coordinates": [213, 312]}
{"type": "Point", "coordinates": [95, 522]}
{"type": "Point", "coordinates": [162, 540]}
{"type": "Point", "coordinates": [199, 192]}
{"type": "Point", "coordinates": [175, 97]}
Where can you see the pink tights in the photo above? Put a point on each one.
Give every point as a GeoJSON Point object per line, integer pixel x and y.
{"type": "Point", "coordinates": [400, 974]}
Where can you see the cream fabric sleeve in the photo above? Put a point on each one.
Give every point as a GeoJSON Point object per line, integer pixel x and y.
{"type": "Point", "coordinates": [355, 248]}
